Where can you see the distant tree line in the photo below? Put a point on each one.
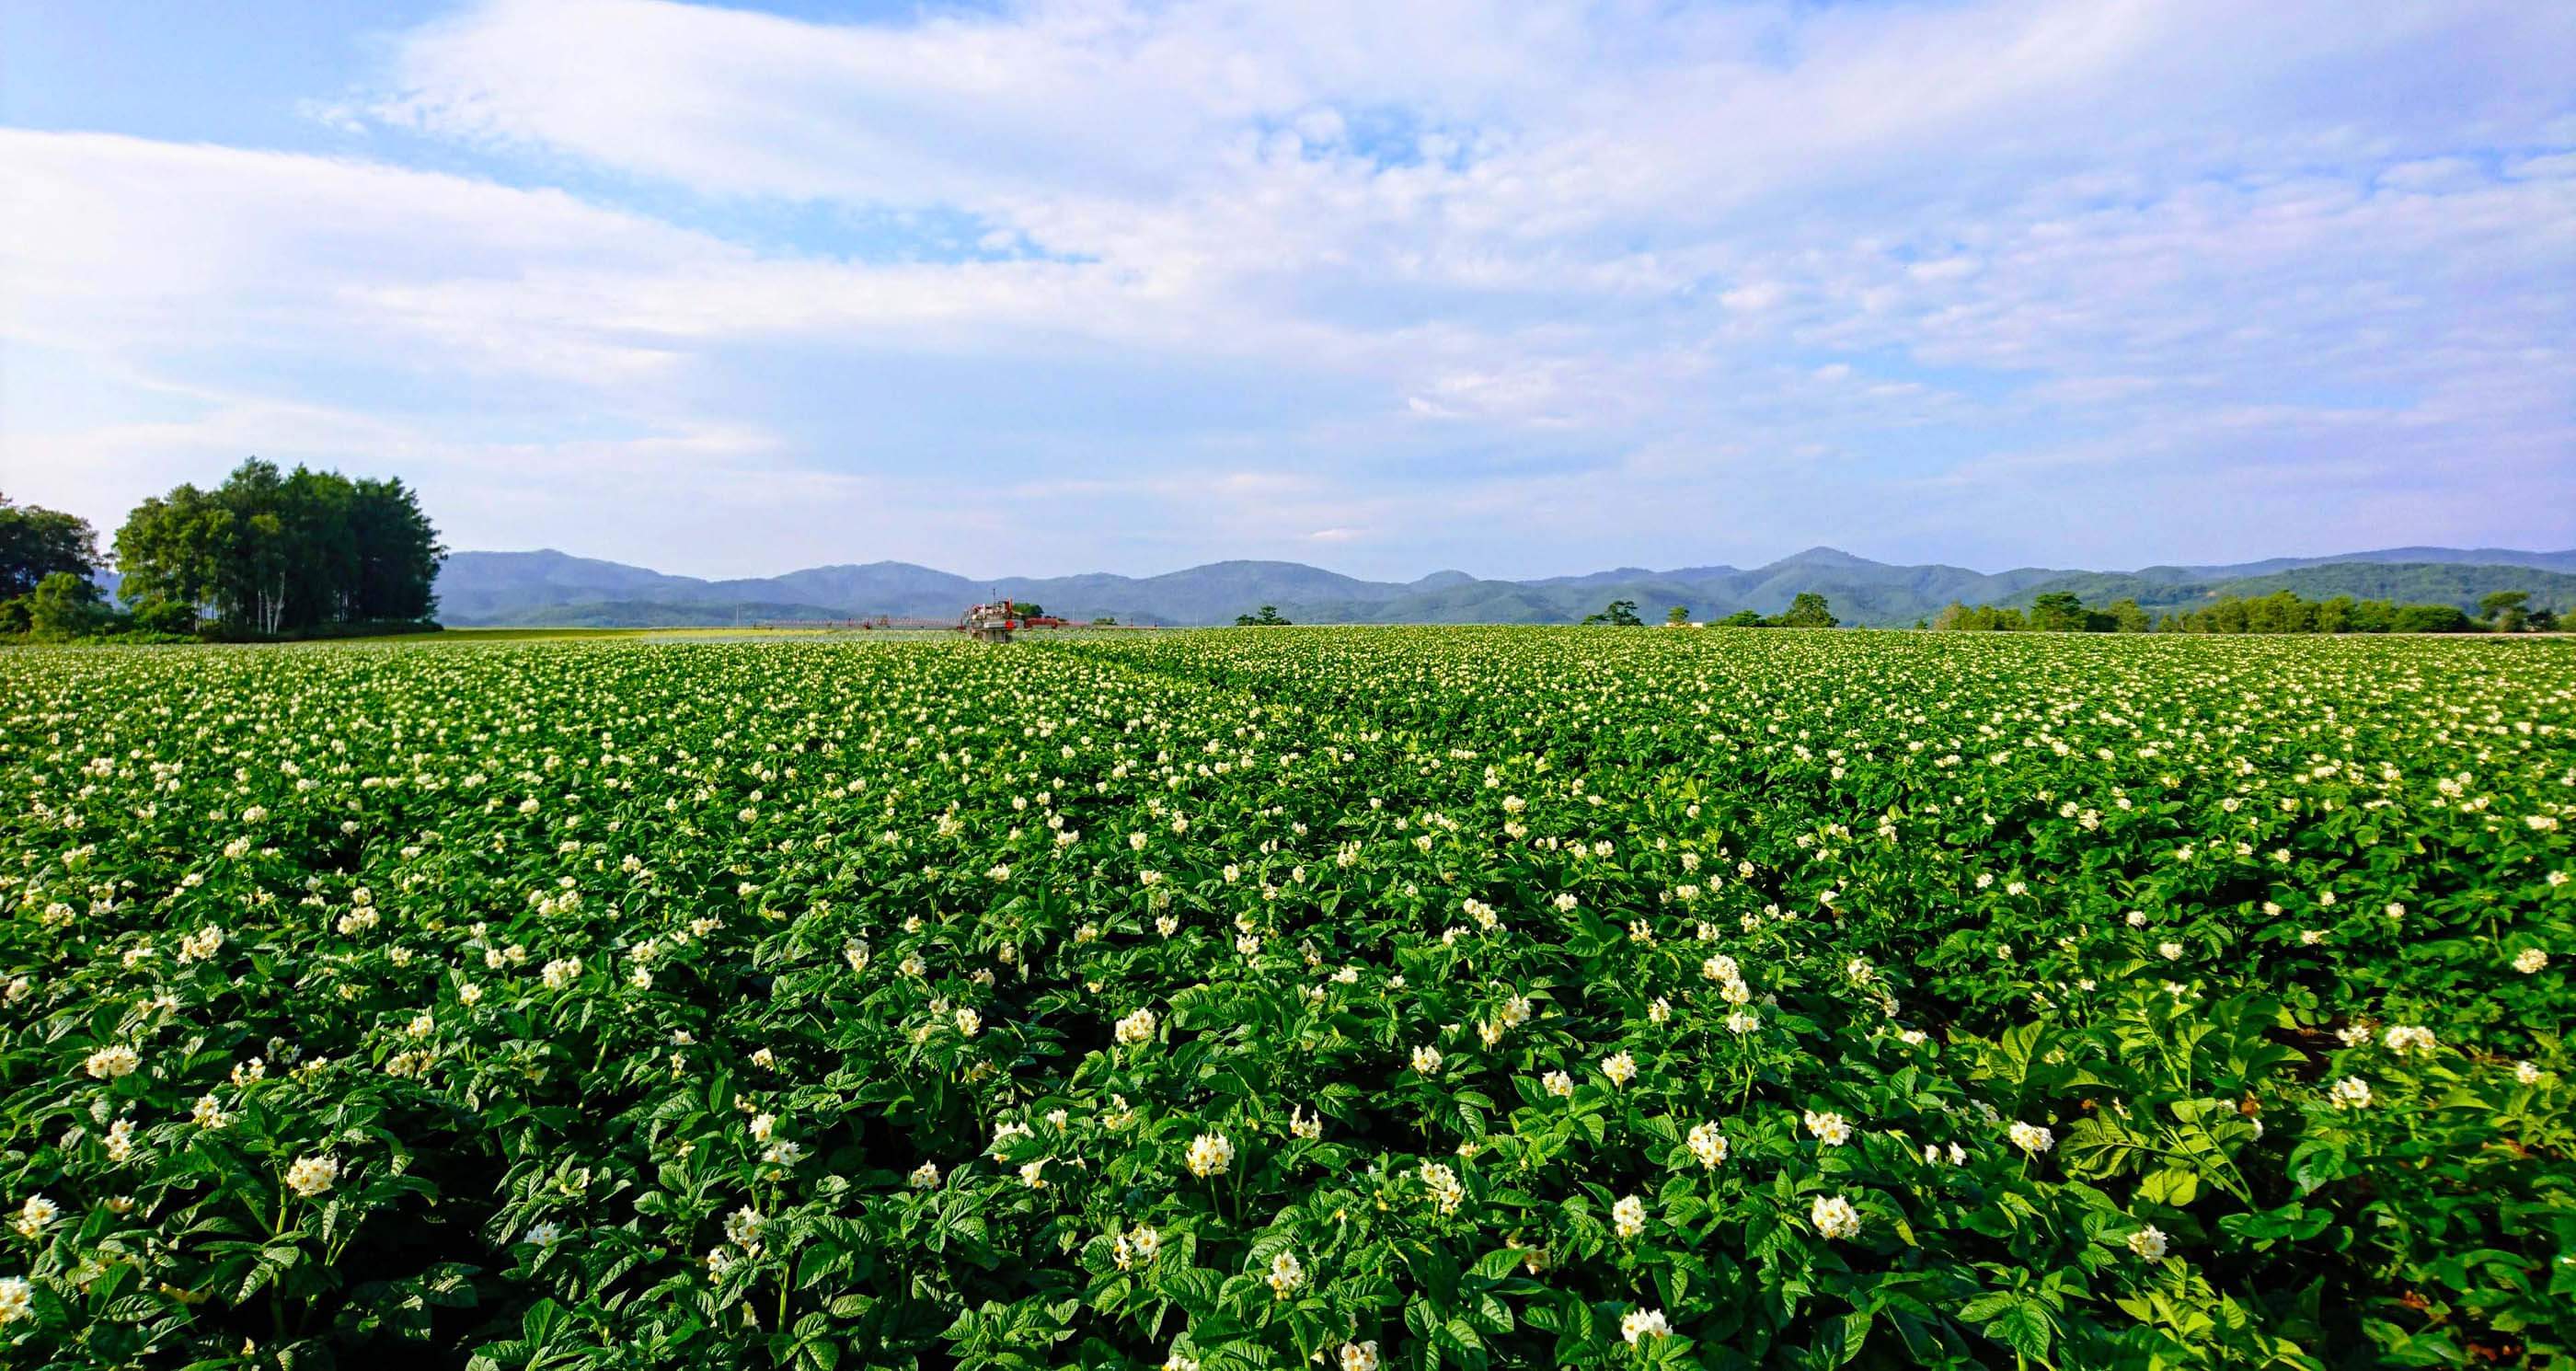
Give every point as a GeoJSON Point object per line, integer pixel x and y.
{"type": "Point", "coordinates": [2056, 612]}
{"type": "Point", "coordinates": [1808, 610]}
{"type": "Point", "coordinates": [1267, 618]}
{"type": "Point", "coordinates": [267, 554]}
{"type": "Point", "coordinates": [2280, 612]}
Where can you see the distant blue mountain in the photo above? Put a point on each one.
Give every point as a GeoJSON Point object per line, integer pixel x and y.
{"type": "Point", "coordinates": [553, 588]}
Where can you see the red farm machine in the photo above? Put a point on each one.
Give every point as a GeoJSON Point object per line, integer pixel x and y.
{"type": "Point", "coordinates": [995, 622]}
{"type": "Point", "coordinates": [989, 623]}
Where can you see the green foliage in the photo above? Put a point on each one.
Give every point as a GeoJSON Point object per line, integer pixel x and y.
{"type": "Point", "coordinates": [2506, 611]}
{"type": "Point", "coordinates": [1021, 609]}
{"type": "Point", "coordinates": [1618, 614]}
{"type": "Point", "coordinates": [161, 615]}
{"type": "Point", "coordinates": [64, 606]}
{"type": "Point", "coordinates": [1958, 618]}
{"type": "Point", "coordinates": [36, 542]}
{"type": "Point", "coordinates": [283, 554]}
{"type": "Point", "coordinates": [2058, 612]}
{"type": "Point", "coordinates": [2429, 619]}
{"type": "Point", "coordinates": [2279, 612]}
{"type": "Point", "coordinates": [1267, 618]}
{"type": "Point", "coordinates": [1807, 610]}
{"type": "Point", "coordinates": [1678, 614]}
{"type": "Point", "coordinates": [2168, 590]}
{"type": "Point", "coordinates": [1560, 999]}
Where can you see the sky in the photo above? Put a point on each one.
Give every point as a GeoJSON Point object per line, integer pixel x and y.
{"type": "Point", "coordinates": [1517, 289]}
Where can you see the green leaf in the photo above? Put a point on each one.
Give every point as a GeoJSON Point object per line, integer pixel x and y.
{"type": "Point", "coordinates": [2024, 1326]}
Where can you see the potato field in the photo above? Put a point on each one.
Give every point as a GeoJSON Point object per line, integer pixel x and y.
{"type": "Point", "coordinates": [1291, 997]}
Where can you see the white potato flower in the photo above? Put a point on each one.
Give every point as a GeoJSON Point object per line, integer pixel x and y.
{"type": "Point", "coordinates": [1708, 1145]}
{"type": "Point", "coordinates": [2406, 1040]}
{"type": "Point", "coordinates": [1834, 1217]}
{"type": "Point", "coordinates": [1209, 1155]}
{"type": "Point", "coordinates": [311, 1176]}
{"type": "Point", "coordinates": [35, 1215]}
{"type": "Point", "coordinates": [1443, 1185]}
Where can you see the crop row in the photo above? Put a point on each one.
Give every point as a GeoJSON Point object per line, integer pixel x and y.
{"type": "Point", "coordinates": [1453, 997]}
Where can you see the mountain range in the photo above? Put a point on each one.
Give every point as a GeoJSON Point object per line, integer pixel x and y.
{"type": "Point", "coordinates": [549, 588]}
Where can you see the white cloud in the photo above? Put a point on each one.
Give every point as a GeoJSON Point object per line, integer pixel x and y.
{"type": "Point", "coordinates": [1467, 270]}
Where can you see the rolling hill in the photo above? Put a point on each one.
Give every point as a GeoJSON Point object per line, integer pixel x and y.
{"type": "Point", "coordinates": [550, 588]}
{"type": "Point", "coordinates": [2447, 583]}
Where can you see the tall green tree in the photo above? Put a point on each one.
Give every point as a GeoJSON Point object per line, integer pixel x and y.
{"type": "Point", "coordinates": [36, 542]}
{"type": "Point", "coordinates": [1618, 614]}
{"type": "Point", "coordinates": [2506, 610]}
{"type": "Point", "coordinates": [282, 553]}
{"type": "Point", "coordinates": [1808, 610]}
{"type": "Point", "coordinates": [398, 551]}
{"type": "Point", "coordinates": [65, 605]}
{"type": "Point", "coordinates": [2060, 611]}
{"type": "Point", "coordinates": [171, 548]}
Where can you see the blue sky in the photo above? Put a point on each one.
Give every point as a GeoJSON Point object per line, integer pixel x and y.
{"type": "Point", "coordinates": [1522, 289]}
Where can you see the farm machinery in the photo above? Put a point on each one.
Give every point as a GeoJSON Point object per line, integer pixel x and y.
{"type": "Point", "coordinates": [995, 622]}
{"type": "Point", "coordinates": [989, 623]}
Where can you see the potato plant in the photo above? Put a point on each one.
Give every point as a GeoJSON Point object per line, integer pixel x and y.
{"type": "Point", "coordinates": [1470, 998]}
